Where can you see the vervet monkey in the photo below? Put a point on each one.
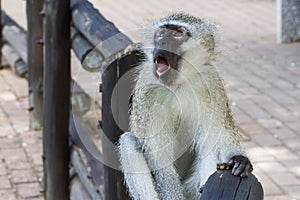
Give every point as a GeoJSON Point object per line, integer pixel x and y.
{"type": "Point", "coordinates": [181, 123]}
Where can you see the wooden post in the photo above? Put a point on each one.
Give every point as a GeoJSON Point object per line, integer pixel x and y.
{"type": "Point", "coordinates": [56, 99]}
{"type": "Point", "coordinates": [288, 23]}
{"type": "Point", "coordinates": [35, 61]}
{"type": "Point", "coordinates": [112, 178]}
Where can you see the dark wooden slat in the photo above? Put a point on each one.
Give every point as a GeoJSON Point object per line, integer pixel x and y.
{"type": "Point", "coordinates": [57, 99]}
{"type": "Point", "coordinates": [222, 185]}
{"type": "Point", "coordinates": [81, 138]}
{"type": "Point", "coordinates": [35, 62]}
{"type": "Point", "coordinates": [112, 177]}
{"type": "Point", "coordinates": [81, 171]}
{"type": "Point", "coordinates": [115, 100]}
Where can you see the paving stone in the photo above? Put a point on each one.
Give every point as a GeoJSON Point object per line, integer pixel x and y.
{"type": "Point", "coordinates": [4, 183]}
{"type": "Point", "coordinates": [7, 195]}
{"type": "Point", "coordinates": [35, 138]}
{"type": "Point", "coordinates": [23, 176]}
{"type": "Point", "coordinates": [293, 144]}
{"type": "Point", "coordinates": [15, 159]}
{"type": "Point", "coordinates": [271, 167]}
{"type": "Point", "coordinates": [6, 130]}
{"type": "Point", "coordinates": [294, 166]}
{"type": "Point", "coordinates": [284, 178]}
{"type": "Point", "coordinates": [2, 168]}
{"type": "Point", "coordinates": [7, 96]}
{"type": "Point", "coordinates": [35, 198]}
{"type": "Point", "coordinates": [280, 97]}
{"type": "Point", "coordinates": [18, 85]}
{"type": "Point", "coordinates": [253, 128]}
{"type": "Point", "coordinates": [270, 123]}
{"type": "Point", "coordinates": [37, 159]}
{"type": "Point", "coordinates": [259, 154]}
{"type": "Point", "coordinates": [17, 115]}
{"type": "Point", "coordinates": [269, 187]}
{"type": "Point", "coordinates": [28, 190]}
{"type": "Point", "coordinates": [281, 153]}
{"type": "Point", "coordinates": [266, 139]}
{"type": "Point", "coordinates": [293, 190]}
{"type": "Point", "coordinates": [283, 133]}
{"type": "Point", "coordinates": [294, 126]}
{"type": "Point", "coordinates": [33, 148]}
{"type": "Point", "coordinates": [253, 110]}
{"type": "Point", "coordinates": [10, 143]}
{"type": "Point", "coordinates": [277, 197]}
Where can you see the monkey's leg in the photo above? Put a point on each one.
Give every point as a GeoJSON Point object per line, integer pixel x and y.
{"type": "Point", "coordinates": [137, 174]}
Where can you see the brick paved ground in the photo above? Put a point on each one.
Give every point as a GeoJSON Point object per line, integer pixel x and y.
{"type": "Point", "coordinates": [262, 78]}
{"type": "Point", "coordinates": [20, 148]}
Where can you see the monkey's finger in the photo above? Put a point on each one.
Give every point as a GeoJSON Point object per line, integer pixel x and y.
{"type": "Point", "coordinates": [244, 174]}
{"type": "Point", "coordinates": [249, 168]}
{"type": "Point", "coordinates": [231, 163]}
{"type": "Point", "coordinates": [236, 165]}
{"type": "Point", "coordinates": [240, 169]}
{"type": "Point", "coordinates": [222, 166]}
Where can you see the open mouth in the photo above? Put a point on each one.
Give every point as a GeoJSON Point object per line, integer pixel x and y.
{"type": "Point", "coordinates": [162, 65]}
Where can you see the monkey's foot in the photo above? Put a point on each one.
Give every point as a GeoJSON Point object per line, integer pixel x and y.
{"type": "Point", "coordinates": [239, 166]}
{"type": "Point", "coordinates": [223, 166]}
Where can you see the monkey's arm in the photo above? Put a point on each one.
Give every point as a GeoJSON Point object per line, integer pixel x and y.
{"type": "Point", "coordinates": [233, 157]}
{"type": "Point", "coordinates": [136, 171]}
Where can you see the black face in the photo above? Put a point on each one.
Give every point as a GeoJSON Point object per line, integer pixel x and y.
{"type": "Point", "coordinates": [167, 52]}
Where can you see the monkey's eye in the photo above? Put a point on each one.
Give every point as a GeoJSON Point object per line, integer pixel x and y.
{"type": "Point", "coordinates": [180, 32]}
{"type": "Point", "coordinates": [160, 33]}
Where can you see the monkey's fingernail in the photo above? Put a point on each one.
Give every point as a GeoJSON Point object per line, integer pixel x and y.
{"type": "Point", "coordinates": [244, 174]}
{"type": "Point", "coordinates": [201, 188]}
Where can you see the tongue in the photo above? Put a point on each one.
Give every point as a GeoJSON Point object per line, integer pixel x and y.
{"type": "Point", "coordinates": [162, 68]}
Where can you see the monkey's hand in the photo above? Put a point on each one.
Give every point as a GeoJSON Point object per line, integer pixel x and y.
{"type": "Point", "coordinates": [239, 165]}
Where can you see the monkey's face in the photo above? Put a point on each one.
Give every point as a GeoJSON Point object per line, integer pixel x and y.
{"type": "Point", "coordinates": [167, 52]}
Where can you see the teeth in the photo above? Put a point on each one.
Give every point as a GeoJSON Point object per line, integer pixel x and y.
{"type": "Point", "coordinates": [156, 61]}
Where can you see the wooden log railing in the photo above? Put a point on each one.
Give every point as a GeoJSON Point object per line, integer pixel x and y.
{"type": "Point", "coordinates": [15, 37]}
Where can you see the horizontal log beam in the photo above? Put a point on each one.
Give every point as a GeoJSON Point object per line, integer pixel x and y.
{"type": "Point", "coordinates": [15, 35]}
{"type": "Point", "coordinates": [14, 60]}
{"type": "Point", "coordinates": [100, 32]}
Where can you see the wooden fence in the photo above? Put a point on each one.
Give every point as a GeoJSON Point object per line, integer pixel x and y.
{"type": "Point", "coordinates": [42, 54]}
